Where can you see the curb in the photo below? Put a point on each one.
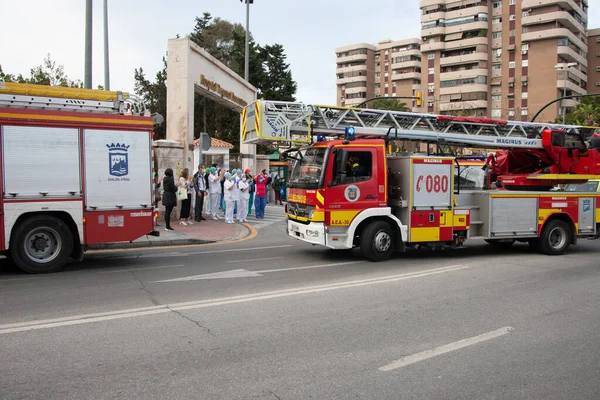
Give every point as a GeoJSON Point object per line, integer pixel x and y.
{"type": "Point", "coordinates": [248, 232]}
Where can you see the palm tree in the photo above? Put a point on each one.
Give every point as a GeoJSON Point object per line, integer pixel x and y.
{"type": "Point", "coordinates": [390, 105]}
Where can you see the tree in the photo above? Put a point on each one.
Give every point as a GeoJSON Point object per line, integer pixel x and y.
{"type": "Point", "coordinates": [224, 40]}
{"type": "Point", "coordinates": [49, 73]}
{"type": "Point", "coordinates": [586, 113]}
{"type": "Point", "coordinates": [389, 104]}
{"type": "Point", "coordinates": [154, 94]}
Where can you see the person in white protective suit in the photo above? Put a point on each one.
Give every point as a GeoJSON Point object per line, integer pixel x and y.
{"type": "Point", "coordinates": [228, 194]}
{"type": "Point", "coordinates": [244, 189]}
{"type": "Point", "coordinates": [214, 190]}
{"type": "Point", "coordinates": [236, 177]}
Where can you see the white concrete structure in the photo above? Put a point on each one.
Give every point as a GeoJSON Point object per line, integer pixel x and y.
{"type": "Point", "coordinates": [190, 69]}
{"type": "Point", "coordinates": [218, 148]}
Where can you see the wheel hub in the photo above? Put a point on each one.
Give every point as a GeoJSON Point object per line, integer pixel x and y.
{"type": "Point", "coordinates": [42, 245]}
{"type": "Point", "coordinates": [383, 241]}
{"type": "Point", "coordinates": [40, 242]}
{"type": "Point", "coordinates": [558, 238]}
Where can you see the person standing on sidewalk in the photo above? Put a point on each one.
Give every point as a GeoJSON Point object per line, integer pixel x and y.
{"type": "Point", "coordinates": [214, 190]}
{"type": "Point", "coordinates": [228, 196]}
{"type": "Point", "coordinates": [200, 189]}
{"type": "Point", "coordinates": [169, 199]}
{"type": "Point", "coordinates": [183, 183]}
{"type": "Point", "coordinates": [277, 189]}
{"type": "Point", "coordinates": [260, 201]}
{"type": "Point", "coordinates": [250, 182]}
{"type": "Point", "coordinates": [244, 196]}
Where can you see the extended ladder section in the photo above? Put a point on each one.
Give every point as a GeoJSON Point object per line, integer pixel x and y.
{"type": "Point", "coordinates": [43, 97]}
{"type": "Point", "coordinates": [293, 122]}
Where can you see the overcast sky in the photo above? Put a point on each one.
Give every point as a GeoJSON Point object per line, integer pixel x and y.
{"type": "Point", "coordinates": [309, 30]}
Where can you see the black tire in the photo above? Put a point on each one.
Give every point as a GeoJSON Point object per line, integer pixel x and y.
{"type": "Point", "coordinates": [555, 238]}
{"type": "Point", "coordinates": [377, 241]}
{"type": "Point", "coordinates": [41, 244]}
{"type": "Point", "coordinates": [501, 243]}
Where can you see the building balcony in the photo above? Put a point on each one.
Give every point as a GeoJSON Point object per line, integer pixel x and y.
{"type": "Point", "coordinates": [354, 68]}
{"type": "Point", "coordinates": [435, 31]}
{"type": "Point", "coordinates": [429, 3]}
{"type": "Point", "coordinates": [553, 33]}
{"type": "Point", "coordinates": [359, 89]}
{"type": "Point", "coordinates": [412, 52]}
{"type": "Point", "coordinates": [560, 84]}
{"type": "Point", "coordinates": [406, 75]}
{"type": "Point", "coordinates": [349, 59]}
{"type": "Point", "coordinates": [565, 4]}
{"type": "Point", "coordinates": [435, 46]}
{"type": "Point", "coordinates": [464, 89]}
{"type": "Point", "coordinates": [471, 26]}
{"type": "Point", "coordinates": [463, 105]}
{"type": "Point", "coordinates": [351, 79]}
{"type": "Point", "coordinates": [463, 59]}
{"type": "Point", "coordinates": [563, 17]}
{"type": "Point", "coordinates": [462, 43]}
{"type": "Point", "coordinates": [466, 12]}
{"type": "Point", "coordinates": [468, 73]}
{"type": "Point", "coordinates": [571, 55]}
{"type": "Point", "coordinates": [407, 64]}
{"type": "Point", "coordinates": [433, 16]}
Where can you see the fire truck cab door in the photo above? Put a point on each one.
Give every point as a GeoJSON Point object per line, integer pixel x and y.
{"type": "Point", "coordinates": [352, 187]}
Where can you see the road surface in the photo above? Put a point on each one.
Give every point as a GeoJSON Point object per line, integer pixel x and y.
{"type": "Point", "coordinates": [273, 318]}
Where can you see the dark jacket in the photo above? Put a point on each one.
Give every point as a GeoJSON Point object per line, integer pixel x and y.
{"type": "Point", "coordinates": [169, 198]}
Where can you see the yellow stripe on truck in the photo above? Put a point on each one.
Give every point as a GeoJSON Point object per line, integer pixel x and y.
{"type": "Point", "coordinates": [424, 235]}
{"type": "Point", "coordinates": [342, 218]}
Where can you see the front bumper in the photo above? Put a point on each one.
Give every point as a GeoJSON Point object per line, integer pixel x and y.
{"type": "Point", "coordinates": [313, 232]}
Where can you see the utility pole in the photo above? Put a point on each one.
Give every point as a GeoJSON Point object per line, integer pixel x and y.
{"type": "Point", "coordinates": [106, 63]}
{"type": "Point", "coordinates": [88, 45]}
{"type": "Point", "coordinates": [247, 52]}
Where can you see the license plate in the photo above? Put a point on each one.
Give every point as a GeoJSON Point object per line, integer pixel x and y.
{"type": "Point", "coordinates": [295, 228]}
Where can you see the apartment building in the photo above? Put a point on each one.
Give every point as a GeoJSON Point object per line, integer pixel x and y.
{"type": "Point", "coordinates": [503, 59]}
{"type": "Point", "coordinates": [390, 68]}
{"type": "Point", "coordinates": [594, 61]}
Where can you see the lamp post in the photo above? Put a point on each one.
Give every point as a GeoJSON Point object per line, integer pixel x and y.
{"type": "Point", "coordinates": [247, 56]}
{"type": "Point", "coordinates": [564, 67]}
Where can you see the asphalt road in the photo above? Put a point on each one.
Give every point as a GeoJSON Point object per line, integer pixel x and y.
{"type": "Point", "coordinates": [278, 319]}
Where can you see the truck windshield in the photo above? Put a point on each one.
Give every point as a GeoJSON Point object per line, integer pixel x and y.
{"type": "Point", "coordinates": [588, 187]}
{"type": "Point", "coordinates": [470, 177]}
{"type": "Point", "coordinates": [309, 170]}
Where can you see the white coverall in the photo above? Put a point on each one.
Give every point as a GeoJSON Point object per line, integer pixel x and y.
{"type": "Point", "coordinates": [214, 190]}
{"type": "Point", "coordinates": [229, 200]}
{"type": "Point", "coordinates": [242, 212]}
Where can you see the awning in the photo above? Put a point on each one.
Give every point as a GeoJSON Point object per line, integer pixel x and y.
{"type": "Point", "coordinates": [453, 36]}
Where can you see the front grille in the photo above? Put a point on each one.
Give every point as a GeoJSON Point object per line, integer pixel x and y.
{"type": "Point", "coordinates": [299, 210]}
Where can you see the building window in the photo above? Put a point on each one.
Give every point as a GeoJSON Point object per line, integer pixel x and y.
{"type": "Point", "coordinates": [496, 112]}
{"type": "Point", "coordinates": [524, 47]}
{"type": "Point", "coordinates": [525, 63]}
{"type": "Point", "coordinates": [497, 35]}
{"type": "Point", "coordinates": [496, 67]}
{"type": "Point", "coordinates": [431, 71]}
{"type": "Point", "coordinates": [524, 95]}
{"type": "Point", "coordinates": [598, 39]}
{"type": "Point", "coordinates": [511, 64]}
{"type": "Point", "coordinates": [497, 4]}
{"type": "Point", "coordinates": [430, 56]}
{"type": "Point", "coordinates": [525, 14]}
{"type": "Point", "coordinates": [511, 33]}
{"type": "Point", "coordinates": [512, 17]}
{"type": "Point", "coordinates": [513, 2]}
{"type": "Point", "coordinates": [511, 113]}
{"type": "Point", "coordinates": [496, 20]}
{"type": "Point", "coordinates": [524, 111]}
{"type": "Point", "coordinates": [496, 97]}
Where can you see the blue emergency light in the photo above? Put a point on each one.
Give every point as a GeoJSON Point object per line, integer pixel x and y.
{"type": "Point", "coordinates": [320, 138]}
{"type": "Point", "coordinates": [349, 133]}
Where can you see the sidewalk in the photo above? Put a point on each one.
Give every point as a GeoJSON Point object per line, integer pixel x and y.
{"type": "Point", "coordinates": [203, 232]}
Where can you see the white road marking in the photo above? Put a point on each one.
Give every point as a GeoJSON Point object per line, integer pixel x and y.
{"type": "Point", "coordinates": [138, 312]}
{"type": "Point", "coordinates": [256, 259]}
{"type": "Point", "coordinates": [112, 271]}
{"type": "Point", "coordinates": [244, 273]}
{"type": "Point", "coordinates": [447, 348]}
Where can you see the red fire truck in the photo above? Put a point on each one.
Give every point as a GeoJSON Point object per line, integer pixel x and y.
{"type": "Point", "coordinates": [346, 190]}
{"type": "Point", "coordinates": [76, 168]}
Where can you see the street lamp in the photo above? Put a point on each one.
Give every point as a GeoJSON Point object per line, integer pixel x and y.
{"type": "Point", "coordinates": [564, 67]}
{"type": "Point", "coordinates": [246, 56]}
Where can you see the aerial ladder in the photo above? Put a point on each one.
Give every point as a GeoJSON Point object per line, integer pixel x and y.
{"type": "Point", "coordinates": [45, 97]}
{"type": "Point", "coordinates": [528, 155]}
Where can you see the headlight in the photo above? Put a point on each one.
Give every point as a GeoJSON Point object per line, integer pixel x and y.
{"type": "Point", "coordinates": [311, 213]}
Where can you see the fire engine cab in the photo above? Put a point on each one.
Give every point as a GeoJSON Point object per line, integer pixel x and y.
{"type": "Point", "coordinates": [76, 171]}
{"type": "Point", "coordinates": [347, 190]}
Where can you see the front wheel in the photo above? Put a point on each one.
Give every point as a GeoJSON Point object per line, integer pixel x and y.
{"type": "Point", "coordinates": [377, 241]}
{"type": "Point", "coordinates": [555, 238]}
{"type": "Point", "coordinates": [41, 244]}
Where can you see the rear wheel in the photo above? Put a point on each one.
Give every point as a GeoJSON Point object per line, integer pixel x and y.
{"type": "Point", "coordinates": [555, 238]}
{"type": "Point", "coordinates": [41, 244]}
{"type": "Point", "coordinates": [377, 241]}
